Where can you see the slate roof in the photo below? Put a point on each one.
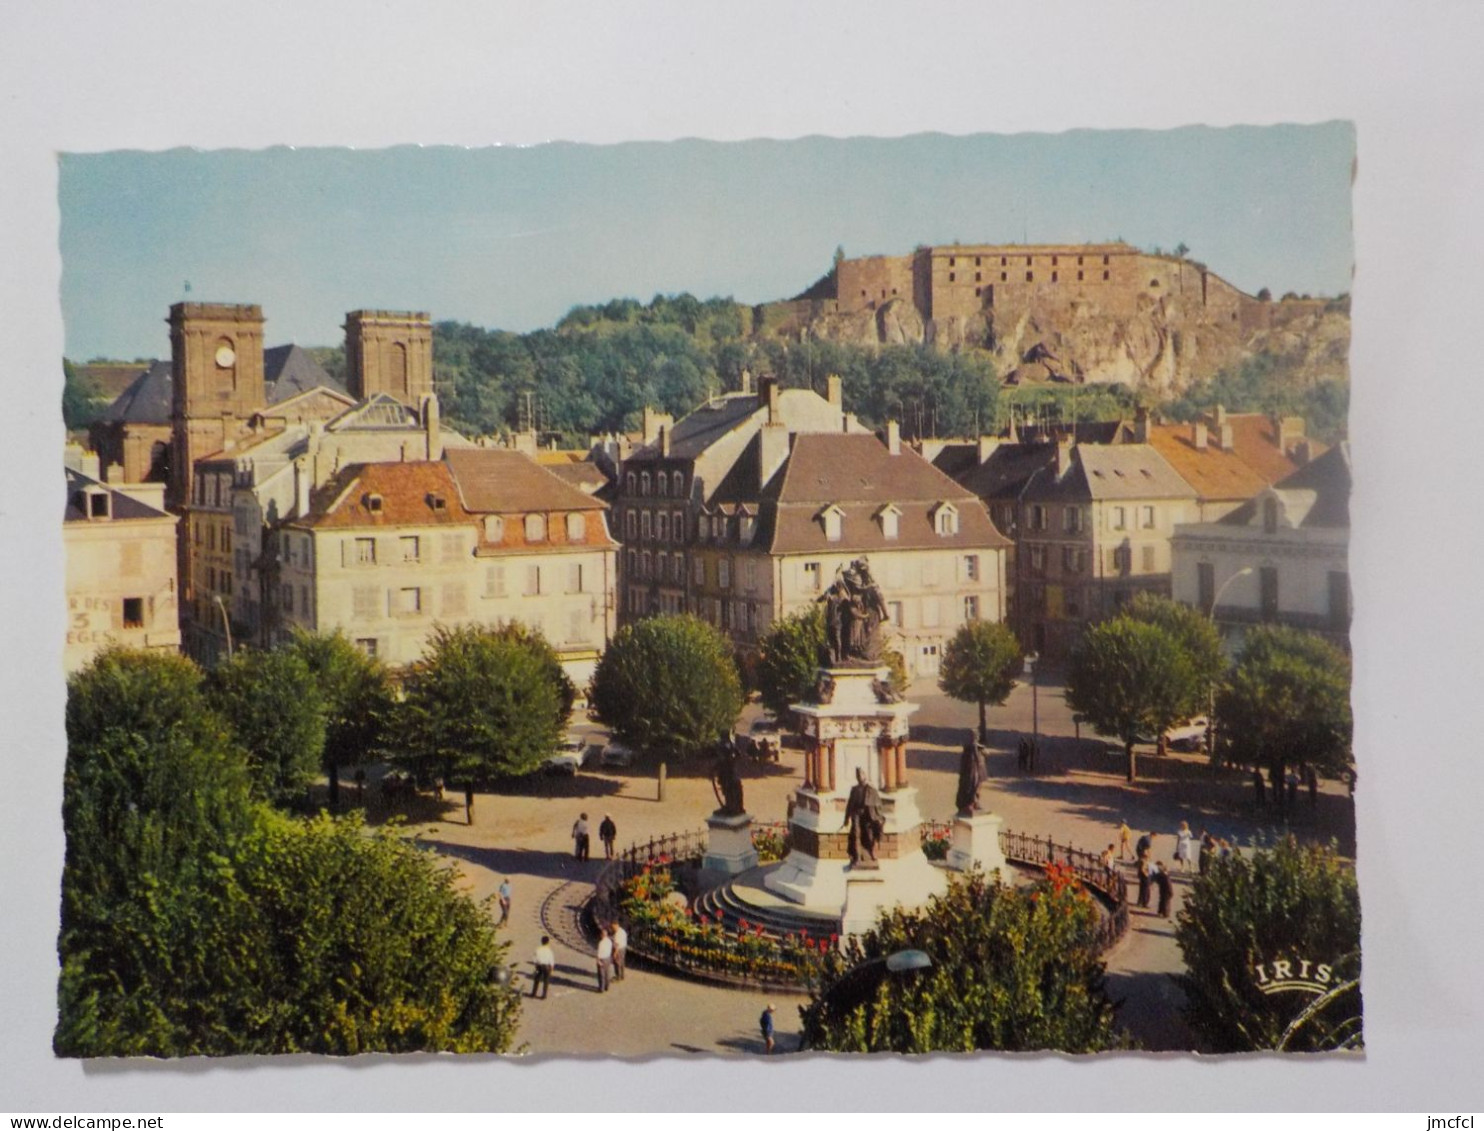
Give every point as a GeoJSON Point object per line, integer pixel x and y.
{"type": "Point", "coordinates": [1116, 471]}
{"type": "Point", "coordinates": [122, 506]}
{"type": "Point", "coordinates": [147, 398]}
{"type": "Point", "coordinates": [856, 472]}
{"type": "Point", "coordinates": [586, 476]}
{"type": "Point", "coordinates": [112, 379]}
{"type": "Point", "coordinates": [289, 371]}
{"type": "Point", "coordinates": [502, 481]}
{"type": "Point", "coordinates": [1321, 488]}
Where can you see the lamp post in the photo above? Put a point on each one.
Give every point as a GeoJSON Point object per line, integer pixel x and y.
{"type": "Point", "coordinates": [226, 621]}
{"type": "Point", "coordinates": [860, 983]}
{"type": "Point", "coordinates": [1211, 700]}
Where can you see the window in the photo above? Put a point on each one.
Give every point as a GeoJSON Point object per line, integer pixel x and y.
{"type": "Point", "coordinates": [1205, 584]}
{"type": "Point", "coordinates": [533, 581]}
{"type": "Point", "coordinates": [577, 625]}
{"type": "Point", "coordinates": [631, 525]}
{"type": "Point", "coordinates": [894, 613]}
{"type": "Point", "coordinates": [453, 547]}
{"type": "Point", "coordinates": [210, 537]}
{"type": "Point", "coordinates": [646, 565]}
{"type": "Point", "coordinates": [664, 485]}
{"type": "Point", "coordinates": [699, 572]}
{"type": "Point", "coordinates": [574, 577]}
{"type": "Point", "coordinates": [890, 518]}
{"type": "Point", "coordinates": [971, 567]}
{"type": "Point", "coordinates": [677, 526]}
{"type": "Point", "coordinates": [1269, 582]}
{"type": "Point", "coordinates": [1071, 559]}
{"type": "Point", "coordinates": [288, 598]}
{"type": "Point", "coordinates": [366, 551]}
{"type": "Point", "coordinates": [365, 600]}
{"type": "Point", "coordinates": [1146, 559]}
{"type": "Point", "coordinates": [1038, 558]}
{"type": "Point", "coordinates": [929, 571]}
{"type": "Point", "coordinates": [751, 574]}
{"type": "Point", "coordinates": [834, 524]}
{"type": "Point", "coordinates": [367, 645]}
{"type": "Point", "coordinates": [644, 483]}
{"type": "Point", "coordinates": [373, 504]}
{"type": "Point", "coordinates": [1146, 517]}
{"type": "Point", "coordinates": [930, 612]}
{"type": "Point", "coordinates": [946, 519]}
{"type": "Point", "coordinates": [662, 526]}
{"type": "Point", "coordinates": [811, 576]}
{"type": "Point", "coordinates": [133, 611]}
{"type": "Point", "coordinates": [1038, 517]}
{"type": "Point", "coordinates": [1054, 274]}
{"type": "Point", "coordinates": [98, 505]}
{"type": "Point", "coordinates": [646, 525]}
{"type": "Point", "coordinates": [1079, 276]}
{"type": "Point", "coordinates": [633, 564]}
{"type": "Point", "coordinates": [629, 483]}
{"type": "Point", "coordinates": [437, 502]}
{"type": "Point", "coordinates": [1071, 520]}
{"type": "Point", "coordinates": [494, 581]}
{"type": "Point", "coordinates": [971, 608]}
{"type": "Point", "coordinates": [677, 479]}
{"type": "Point", "coordinates": [410, 547]}
{"type": "Point", "coordinates": [1105, 276]}
{"type": "Point", "coordinates": [745, 527]}
{"type": "Point", "coordinates": [1030, 276]}
{"type": "Point", "coordinates": [576, 528]}
{"type": "Point", "coordinates": [410, 601]}
{"type": "Point", "coordinates": [535, 528]}
{"type": "Point", "coordinates": [1117, 518]}
{"type": "Point", "coordinates": [703, 528]}
{"type": "Point", "coordinates": [724, 573]}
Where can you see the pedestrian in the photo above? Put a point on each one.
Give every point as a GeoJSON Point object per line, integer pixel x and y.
{"type": "Point", "coordinates": [1291, 780]}
{"type": "Point", "coordinates": [545, 963]}
{"type": "Point", "coordinates": [1106, 860]}
{"type": "Point", "coordinates": [1143, 869]}
{"type": "Point", "coordinates": [605, 959]}
{"type": "Point", "coordinates": [1258, 793]}
{"type": "Point", "coordinates": [765, 1023]}
{"type": "Point", "coordinates": [1184, 845]}
{"type": "Point", "coordinates": [607, 833]}
{"type": "Point", "coordinates": [469, 804]}
{"type": "Point", "coordinates": [504, 894]}
{"type": "Point", "coordinates": [1166, 889]}
{"type": "Point", "coordinates": [1144, 846]}
{"type": "Point", "coordinates": [1124, 832]}
{"type": "Point", "coordinates": [1311, 778]}
{"type": "Point", "coordinates": [620, 950]}
{"type": "Point", "coordinates": [1224, 849]}
{"type": "Point", "coordinates": [580, 837]}
{"type": "Point", "coordinates": [1208, 850]}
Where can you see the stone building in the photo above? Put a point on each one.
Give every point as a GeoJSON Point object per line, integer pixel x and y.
{"type": "Point", "coordinates": [121, 581]}
{"type": "Point", "coordinates": [385, 552]}
{"type": "Point", "coordinates": [1282, 557]}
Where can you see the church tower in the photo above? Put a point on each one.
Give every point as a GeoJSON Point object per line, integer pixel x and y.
{"type": "Point", "coordinates": [216, 354]}
{"type": "Point", "coordinates": [391, 352]}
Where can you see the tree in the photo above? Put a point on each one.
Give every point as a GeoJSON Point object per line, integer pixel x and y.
{"type": "Point", "coordinates": [980, 665]}
{"type": "Point", "coordinates": [356, 694]}
{"type": "Point", "coordinates": [1287, 702]}
{"type": "Point", "coordinates": [1292, 904]}
{"type": "Point", "coordinates": [1128, 679]}
{"type": "Point", "coordinates": [482, 702]}
{"type": "Point", "coordinates": [668, 684]}
{"type": "Point", "coordinates": [1011, 969]}
{"type": "Point", "coordinates": [274, 707]}
{"type": "Point", "coordinates": [79, 398]}
{"type": "Point", "coordinates": [1193, 631]}
{"type": "Point", "coordinates": [789, 659]}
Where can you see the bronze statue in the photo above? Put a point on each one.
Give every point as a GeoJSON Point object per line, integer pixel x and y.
{"type": "Point", "coordinates": [970, 778]}
{"type": "Point", "coordinates": [854, 611]}
{"type": "Point", "coordinates": [863, 816]}
{"type": "Point", "coordinates": [726, 782]}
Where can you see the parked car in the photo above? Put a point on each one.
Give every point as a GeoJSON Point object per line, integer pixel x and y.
{"type": "Point", "coordinates": [571, 755]}
{"type": "Point", "coordinates": [1189, 735]}
{"type": "Point", "coordinates": [617, 754]}
{"type": "Point", "coordinates": [765, 727]}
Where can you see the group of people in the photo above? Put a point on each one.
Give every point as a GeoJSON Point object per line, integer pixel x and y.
{"type": "Point", "coordinates": [612, 956]}
{"type": "Point", "coordinates": [582, 837]}
{"type": "Point", "coordinates": [1284, 790]}
{"type": "Point", "coordinates": [1153, 875]}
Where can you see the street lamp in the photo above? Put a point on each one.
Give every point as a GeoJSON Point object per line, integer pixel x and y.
{"type": "Point", "coordinates": [860, 983]}
{"type": "Point", "coordinates": [226, 621]}
{"type": "Point", "coordinates": [1031, 659]}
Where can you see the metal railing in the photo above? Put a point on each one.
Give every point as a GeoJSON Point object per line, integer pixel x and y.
{"type": "Point", "coordinates": [1107, 882]}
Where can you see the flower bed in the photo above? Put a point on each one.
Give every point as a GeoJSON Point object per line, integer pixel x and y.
{"type": "Point", "coordinates": [666, 930]}
{"type": "Point", "coordinates": [770, 842]}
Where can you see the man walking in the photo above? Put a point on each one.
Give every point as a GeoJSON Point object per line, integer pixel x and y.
{"type": "Point", "coordinates": [607, 833]}
{"type": "Point", "coordinates": [504, 894]}
{"type": "Point", "coordinates": [1166, 889]}
{"type": "Point", "coordinates": [605, 959]}
{"type": "Point", "coordinates": [620, 950]}
{"type": "Point", "coordinates": [580, 837]}
{"type": "Point", "coordinates": [765, 1023]}
{"type": "Point", "coordinates": [545, 963]}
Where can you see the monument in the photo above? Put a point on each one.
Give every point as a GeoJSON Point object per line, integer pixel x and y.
{"type": "Point", "coordinates": [854, 833]}
{"type": "Point", "coordinates": [729, 828]}
{"type": "Point", "coordinates": [975, 839]}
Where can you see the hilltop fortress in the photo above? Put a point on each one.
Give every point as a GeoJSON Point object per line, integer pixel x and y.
{"type": "Point", "coordinates": [1067, 312]}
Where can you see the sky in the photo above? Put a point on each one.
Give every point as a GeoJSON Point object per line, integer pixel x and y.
{"type": "Point", "coordinates": [513, 237]}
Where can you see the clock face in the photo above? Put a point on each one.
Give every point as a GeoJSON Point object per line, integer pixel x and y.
{"type": "Point", "coordinates": [225, 357]}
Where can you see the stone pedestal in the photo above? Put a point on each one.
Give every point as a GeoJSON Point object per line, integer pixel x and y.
{"type": "Point", "coordinates": [866, 893]}
{"type": "Point", "coordinates": [976, 840]}
{"type": "Point", "coordinates": [729, 846]}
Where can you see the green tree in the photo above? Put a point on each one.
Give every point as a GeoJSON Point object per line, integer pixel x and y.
{"type": "Point", "coordinates": [1129, 678]}
{"type": "Point", "coordinates": [789, 659]}
{"type": "Point", "coordinates": [79, 398]}
{"type": "Point", "coordinates": [356, 692]}
{"type": "Point", "coordinates": [668, 684]}
{"type": "Point", "coordinates": [273, 705]}
{"type": "Point", "coordinates": [1290, 903]}
{"type": "Point", "coordinates": [1011, 969]}
{"type": "Point", "coordinates": [482, 703]}
{"type": "Point", "coordinates": [1286, 702]}
{"type": "Point", "coordinates": [980, 665]}
{"type": "Point", "coordinates": [1194, 632]}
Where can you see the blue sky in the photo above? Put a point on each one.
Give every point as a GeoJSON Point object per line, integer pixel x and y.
{"type": "Point", "coordinates": [512, 238]}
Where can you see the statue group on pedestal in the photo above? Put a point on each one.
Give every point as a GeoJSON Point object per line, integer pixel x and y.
{"type": "Point", "coordinates": [854, 610]}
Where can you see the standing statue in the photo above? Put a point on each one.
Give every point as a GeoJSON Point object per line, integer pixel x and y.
{"type": "Point", "coordinates": [863, 816]}
{"type": "Point", "coordinates": [854, 610]}
{"type": "Point", "coordinates": [970, 778]}
{"type": "Point", "coordinates": [726, 782]}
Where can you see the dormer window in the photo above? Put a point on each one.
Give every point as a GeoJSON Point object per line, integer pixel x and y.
{"type": "Point", "coordinates": [494, 528]}
{"type": "Point", "coordinates": [373, 503]}
{"type": "Point", "coordinates": [945, 519]}
{"type": "Point", "coordinates": [437, 502]}
{"type": "Point", "coordinates": [576, 528]}
{"type": "Point", "coordinates": [834, 522]}
{"type": "Point", "coordinates": [95, 504]}
{"type": "Point", "coordinates": [535, 528]}
{"type": "Point", "coordinates": [889, 517]}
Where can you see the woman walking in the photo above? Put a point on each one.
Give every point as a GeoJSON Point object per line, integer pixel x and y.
{"type": "Point", "coordinates": [1184, 846]}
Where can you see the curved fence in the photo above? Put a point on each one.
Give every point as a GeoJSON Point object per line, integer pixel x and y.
{"type": "Point", "coordinates": [1108, 882]}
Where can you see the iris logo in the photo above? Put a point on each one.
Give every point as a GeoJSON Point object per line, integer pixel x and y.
{"type": "Point", "coordinates": [1302, 975]}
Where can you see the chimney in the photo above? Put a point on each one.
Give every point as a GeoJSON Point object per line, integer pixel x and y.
{"type": "Point", "coordinates": [1198, 435]}
{"type": "Point", "coordinates": [429, 407]}
{"type": "Point", "coordinates": [747, 381]}
{"type": "Point", "coordinates": [1290, 430]}
{"type": "Point", "coordinates": [653, 422]}
{"type": "Point", "coordinates": [893, 437]}
{"type": "Point", "coordinates": [1303, 450]}
{"type": "Point", "coordinates": [987, 446]}
{"type": "Point", "coordinates": [1063, 456]}
{"type": "Point", "coordinates": [665, 431]}
{"type": "Point", "coordinates": [1219, 416]}
{"type": "Point", "coordinates": [775, 412]}
{"type": "Point", "coordinates": [1141, 426]}
{"type": "Point", "coordinates": [833, 390]}
{"type": "Point", "coordinates": [1226, 436]}
{"type": "Point", "coordinates": [301, 489]}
